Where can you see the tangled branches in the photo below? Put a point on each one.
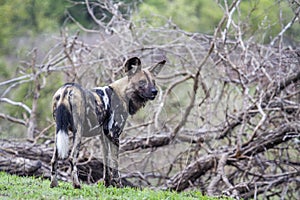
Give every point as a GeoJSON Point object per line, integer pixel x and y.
{"type": "Point", "coordinates": [226, 120]}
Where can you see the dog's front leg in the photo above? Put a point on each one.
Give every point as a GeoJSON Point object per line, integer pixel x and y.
{"type": "Point", "coordinates": [106, 167]}
{"type": "Point", "coordinates": [114, 156]}
{"type": "Point", "coordinates": [110, 150]}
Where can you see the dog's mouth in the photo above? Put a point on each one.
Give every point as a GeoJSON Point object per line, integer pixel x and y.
{"type": "Point", "coordinates": [147, 97]}
{"type": "Point", "coordinates": [152, 97]}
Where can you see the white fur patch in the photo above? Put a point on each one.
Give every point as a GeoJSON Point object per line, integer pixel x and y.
{"type": "Point", "coordinates": [105, 98]}
{"type": "Point", "coordinates": [111, 121]}
{"type": "Point", "coordinates": [62, 144]}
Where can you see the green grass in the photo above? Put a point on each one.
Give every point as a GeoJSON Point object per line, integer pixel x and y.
{"type": "Point", "coordinates": [15, 187]}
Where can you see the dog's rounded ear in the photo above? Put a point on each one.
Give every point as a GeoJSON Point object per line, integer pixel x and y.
{"type": "Point", "coordinates": [157, 68]}
{"type": "Point", "coordinates": [132, 66]}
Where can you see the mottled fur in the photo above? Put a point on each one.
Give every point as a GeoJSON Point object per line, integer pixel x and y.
{"type": "Point", "coordinates": [100, 111]}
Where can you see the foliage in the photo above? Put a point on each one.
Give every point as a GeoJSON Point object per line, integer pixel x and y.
{"type": "Point", "coordinates": [28, 17]}
{"type": "Point", "coordinates": [79, 12]}
{"type": "Point", "coordinates": [15, 187]}
{"type": "Point", "coordinates": [260, 19]}
{"type": "Point", "coordinates": [4, 71]}
{"type": "Point", "coordinates": [31, 17]}
{"type": "Point", "coordinates": [194, 16]}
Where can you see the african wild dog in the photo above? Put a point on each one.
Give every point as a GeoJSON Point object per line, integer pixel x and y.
{"type": "Point", "coordinates": [100, 111]}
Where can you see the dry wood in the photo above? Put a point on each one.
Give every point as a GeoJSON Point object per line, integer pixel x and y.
{"type": "Point", "coordinates": [29, 159]}
{"type": "Point", "coordinates": [226, 120]}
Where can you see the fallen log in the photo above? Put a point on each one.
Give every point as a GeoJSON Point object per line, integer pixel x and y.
{"type": "Point", "coordinates": [191, 173]}
{"type": "Point", "coordinates": [25, 158]}
{"type": "Point", "coordinates": [145, 142]}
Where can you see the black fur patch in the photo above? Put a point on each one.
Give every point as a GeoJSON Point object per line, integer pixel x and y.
{"type": "Point", "coordinates": [64, 119]}
{"type": "Point", "coordinates": [135, 103]}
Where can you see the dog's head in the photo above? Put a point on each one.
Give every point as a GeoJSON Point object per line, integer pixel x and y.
{"type": "Point", "coordinates": [141, 82]}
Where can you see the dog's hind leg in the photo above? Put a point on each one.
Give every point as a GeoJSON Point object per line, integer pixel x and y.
{"type": "Point", "coordinates": [74, 156]}
{"type": "Point", "coordinates": [61, 147]}
{"type": "Point", "coordinates": [77, 104]}
{"type": "Point", "coordinates": [54, 182]}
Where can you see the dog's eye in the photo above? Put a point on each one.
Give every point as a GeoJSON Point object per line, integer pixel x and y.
{"type": "Point", "coordinates": [142, 82]}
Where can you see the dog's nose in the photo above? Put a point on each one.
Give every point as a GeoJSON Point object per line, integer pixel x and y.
{"type": "Point", "coordinates": [154, 91]}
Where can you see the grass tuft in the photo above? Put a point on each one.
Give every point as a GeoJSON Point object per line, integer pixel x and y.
{"type": "Point", "coordinates": [15, 187]}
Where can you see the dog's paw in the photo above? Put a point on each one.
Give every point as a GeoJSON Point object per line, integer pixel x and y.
{"type": "Point", "coordinates": [53, 184]}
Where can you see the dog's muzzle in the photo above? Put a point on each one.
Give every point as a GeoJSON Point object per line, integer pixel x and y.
{"type": "Point", "coordinates": [150, 95]}
{"type": "Point", "coordinates": [153, 94]}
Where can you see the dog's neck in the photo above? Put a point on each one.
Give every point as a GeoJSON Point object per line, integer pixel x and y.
{"type": "Point", "coordinates": [131, 101]}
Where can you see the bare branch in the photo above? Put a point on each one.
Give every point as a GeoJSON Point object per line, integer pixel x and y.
{"type": "Point", "coordinates": [13, 119]}
{"type": "Point", "coordinates": [14, 103]}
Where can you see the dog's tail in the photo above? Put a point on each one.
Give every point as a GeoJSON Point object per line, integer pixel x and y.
{"type": "Point", "coordinates": [63, 121]}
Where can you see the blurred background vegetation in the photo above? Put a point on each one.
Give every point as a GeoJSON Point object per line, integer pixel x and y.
{"type": "Point", "coordinates": [26, 24]}
{"type": "Point", "coordinates": [229, 88]}
{"type": "Point", "coordinates": [28, 18]}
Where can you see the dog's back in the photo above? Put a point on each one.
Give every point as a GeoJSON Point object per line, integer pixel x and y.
{"type": "Point", "coordinates": [77, 108]}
